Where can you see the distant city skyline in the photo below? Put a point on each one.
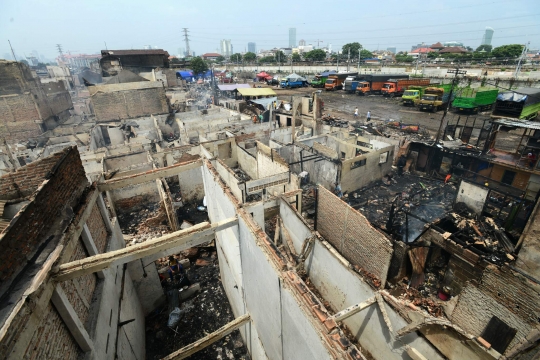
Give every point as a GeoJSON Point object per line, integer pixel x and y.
{"type": "Point", "coordinates": [252, 47]}
{"type": "Point", "coordinates": [292, 37]}
{"type": "Point", "coordinates": [46, 25]}
{"type": "Point", "coordinates": [488, 36]}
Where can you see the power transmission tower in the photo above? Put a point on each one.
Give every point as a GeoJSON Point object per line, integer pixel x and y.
{"type": "Point", "coordinates": [456, 72]}
{"type": "Point", "coordinates": [523, 54]}
{"type": "Point", "coordinates": [186, 38]}
{"type": "Point", "coordinates": [59, 47]}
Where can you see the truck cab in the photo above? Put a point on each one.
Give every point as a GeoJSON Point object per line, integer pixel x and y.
{"type": "Point", "coordinates": [411, 97]}
{"type": "Point", "coordinates": [432, 100]}
{"type": "Point", "coordinates": [284, 83]}
{"type": "Point", "coordinates": [389, 89]}
{"type": "Point", "coordinates": [363, 88]}
{"type": "Point", "coordinates": [331, 84]}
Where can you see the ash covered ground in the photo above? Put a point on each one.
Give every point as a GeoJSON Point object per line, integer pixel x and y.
{"type": "Point", "coordinates": [208, 310]}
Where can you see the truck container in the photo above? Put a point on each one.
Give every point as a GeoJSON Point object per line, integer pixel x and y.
{"type": "Point", "coordinates": [335, 81]}
{"type": "Point", "coordinates": [521, 104]}
{"type": "Point", "coordinates": [434, 99]}
{"type": "Point", "coordinates": [319, 80]}
{"type": "Point", "coordinates": [475, 100]}
{"type": "Point", "coordinates": [396, 87]}
{"type": "Point", "coordinates": [373, 83]}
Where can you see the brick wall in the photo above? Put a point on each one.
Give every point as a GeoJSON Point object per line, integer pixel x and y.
{"type": "Point", "coordinates": [514, 291]}
{"type": "Point", "coordinates": [52, 339]}
{"type": "Point", "coordinates": [15, 78]}
{"type": "Point", "coordinates": [352, 234]}
{"type": "Point", "coordinates": [127, 104]}
{"type": "Point", "coordinates": [86, 285]}
{"type": "Point", "coordinates": [475, 309]}
{"type": "Point", "coordinates": [97, 228]}
{"type": "Point", "coordinates": [30, 230]}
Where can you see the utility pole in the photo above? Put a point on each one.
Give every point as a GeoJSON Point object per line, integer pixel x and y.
{"type": "Point", "coordinates": [456, 72]}
{"type": "Point", "coordinates": [523, 53]}
{"type": "Point", "coordinates": [186, 38]}
{"type": "Point", "coordinates": [319, 41]}
{"type": "Point", "coordinates": [278, 61]}
{"type": "Point", "coordinates": [337, 63]}
{"type": "Point", "coordinates": [348, 58]}
{"type": "Point", "coordinates": [106, 45]}
{"type": "Point", "coordinates": [12, 52]}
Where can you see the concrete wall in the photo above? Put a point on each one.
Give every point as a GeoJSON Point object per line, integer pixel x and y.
{"type": "Point", "coordinates": [373, 170]}
{"type": "Point", "coordinates": [472, 195]}
{"type": "Point", "coordinates": [332, 276]}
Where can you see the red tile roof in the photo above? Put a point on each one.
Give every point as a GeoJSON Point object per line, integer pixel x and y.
{"type": "Point", "coordinates": [422, 50]}
{"type": "Point", "coordinates": [453, 50]}
{"type": "Point", "coordinates": [437, 45]}
{"type": "Point", "coordinates": [211, 55]}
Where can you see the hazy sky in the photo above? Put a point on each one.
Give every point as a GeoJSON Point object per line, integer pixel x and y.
{"type": "Point", "coordinates": [84, 26]}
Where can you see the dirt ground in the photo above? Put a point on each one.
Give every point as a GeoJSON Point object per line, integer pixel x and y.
{"type": "Point", "coordinates": [341, 104]}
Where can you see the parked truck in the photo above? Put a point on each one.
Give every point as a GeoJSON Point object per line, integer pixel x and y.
{"type": "Point", "coordinates": [475, 100]}
{"type": "Point", "coordinates": [351, 83]}
{"type": "Point", "coordinates": [521, 104]}
{"type": "Point", "coordinates": [434, 99]}
{"type": "Point", "coordinates": [293, 81]}
{"type": "Point", "coordinates": [412, 95]}
{"type": "Point", "coordinates": [319, 80]}
{"type": "Point", "coordinates": [374, 83]}
{"type": "Point", "coordinates": [335, 81]}
{"type": "Point", "coordinates": [396, 87]}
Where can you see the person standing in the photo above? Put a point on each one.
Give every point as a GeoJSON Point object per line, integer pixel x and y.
{"type": "Point", "coordinates": [356, 112]}
{"type": "Point", "coordinates": [368, 116]}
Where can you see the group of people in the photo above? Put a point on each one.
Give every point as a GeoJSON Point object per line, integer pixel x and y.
{"type": "Point", "coordinates": [368, 116]}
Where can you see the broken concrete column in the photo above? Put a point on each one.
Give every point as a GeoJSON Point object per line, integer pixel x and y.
{"type": "Point", "coordinates": [190, 291]}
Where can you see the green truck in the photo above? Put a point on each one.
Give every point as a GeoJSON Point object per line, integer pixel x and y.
{"type": "Point", "coordinates": [521, 104]}
{"type": "Point", "coordinates": [412, 95]}
{"type": "Point", "coordinates": [319, 80]}
{"type": "Point", "coordinates": [475, 100]}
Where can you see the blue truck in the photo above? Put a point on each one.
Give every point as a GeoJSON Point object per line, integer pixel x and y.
{"type": "Point", "coordinates": [293, 81]}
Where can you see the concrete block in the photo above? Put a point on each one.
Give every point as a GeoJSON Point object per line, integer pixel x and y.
{"type": "Point", "coordinates": [190, 291]}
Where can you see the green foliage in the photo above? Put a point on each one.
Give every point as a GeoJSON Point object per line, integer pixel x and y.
{"type": "Point", "coordinates": [198, 65]}
{"type": "Point", "coordinates": [366, 54]}
{"type": "Point", "coordinates": [220, 59]}
{"type": "Point", "coordinates": [510, 51]}
{"type": "Point", "coordinates": [236, 58]}
{"type": "Point", "coordinates": [296, 57]}
{"type": "Point", "coordinates": [267, 59]}
{"type": "Point", "coordinates": [175, 61]}
{"type": "Point", "coordinates": [280, 56]}
{"type": "Point", "coordinates": [354, 47]}
{"type": "Point", "coordinates": [249, 57]}
{"type": "Point", "coordinates": [486, 48]}
{"type": "Point", "coordinates": [315, 55]}
{"type": "Point", "coordinates": [433, 55]}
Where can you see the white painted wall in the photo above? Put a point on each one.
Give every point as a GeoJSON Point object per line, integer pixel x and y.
{"type": "Point", "coordinates": [472, 195]}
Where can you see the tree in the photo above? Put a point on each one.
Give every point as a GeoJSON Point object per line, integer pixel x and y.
{"type": "Point", "coordinates": [486, 48]}
{"type": "Point", "coordinates": [354, 47]}
{"type": "Point", "coordinates": [198, 65]}
{"type": "Point", "coordinates": [432, 55]}
{"type": "Point", "coordinates": [510, 51]}
{"type": "Point", "coordinates": [280, 56]}
{"type": "Point", "coordinates": [366, 54]}
{"type": "Point", "coordinates": [175, 61]}
{"type": "Point", "coordinates": [249, 57]}
{"type": "Point", "coordinates": [236, 58]}
{"type": "Point", "coordinates": [220, 59]}
{"type": "Point", "coordinates": [41, 65]}
{"type": "Point", "coordinates": [267, 59]}
{"type": "Point", "coordinates": [315, 55]}
{"type": "Point", "coordinates": [296, 57]}
{"type": "Point", "coordinates": [468, 48]}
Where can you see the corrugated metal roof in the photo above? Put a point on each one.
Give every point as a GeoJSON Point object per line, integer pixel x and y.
{"type": "Point", "coordinates": [231, 87]}
{"type": "Point", "coordinates": [520, 124]}
{"type": "Point", "coordinates": [256, 92]}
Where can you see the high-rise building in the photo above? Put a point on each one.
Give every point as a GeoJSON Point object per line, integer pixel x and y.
{"type": "Point", "coordinates": [393, 50]}
{"type": "Point", "coordinates": [488, 36]}
{"type": "Point", "coordinates": [181, 52]}
{"type": "Point", "coordinates": [226, 48]}
{"type": "Point", "coordinates": [292, 37]}
{"type": "Point", "coordinates": [252, 47]}
{"type": "Point", "coordinates": [302, 42]}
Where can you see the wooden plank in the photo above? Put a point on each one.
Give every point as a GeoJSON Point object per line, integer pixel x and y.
{"type": "Point", "coordinates": [351, 310]}
{"type": "Point", "coordinates": [190, 237]}
{"type": "Point", "coordinates": [380, 301]}
{"type": "Point", "coordinates": [148, 176]}
{"type": "Point", "coordinates": [209, 339]}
